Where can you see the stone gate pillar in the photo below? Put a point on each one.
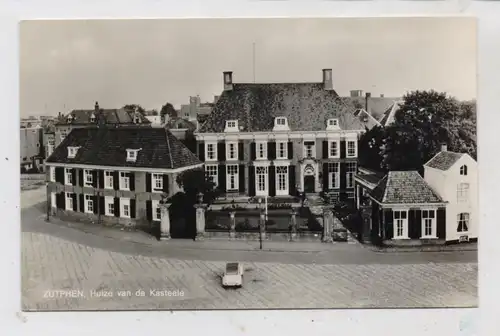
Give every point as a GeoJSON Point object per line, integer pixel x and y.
{"type": "Point", "coordinates": [327, 225]}
{"type": "Point", "coordinates": [262, 224]}
{"type": "Point", "coordinates": [232, 223]}
{"type": "Point", "coordinates": [366, 223]}
{"type": "Point", "coordinates": [293, 224]}
{"type": "Point", "coordinates": [200, 221]}
{"type": "Point", "coordinates": [164, 221]}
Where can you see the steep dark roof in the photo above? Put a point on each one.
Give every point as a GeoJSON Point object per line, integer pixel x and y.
{"type": "Point", "coordinates": [444, 160]}
{"type": "Point", "coordinates": [307, 107]}
{"type": "Point", "coordinates": [376, 105]}
{"type": "Point", "coordinates": [389, 114]}
{"type": "Point", "coordinates": [366, 118]}
{"type": "Point", "coordinates": [404, 187]}
{"type": "Point", "coordinates": [107, 147]}
{"type": "Point", "coordinates": [111, 116]}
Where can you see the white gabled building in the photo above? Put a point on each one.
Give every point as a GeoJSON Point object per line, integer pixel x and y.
{"type": "Point", "coordinates": [454, 177]}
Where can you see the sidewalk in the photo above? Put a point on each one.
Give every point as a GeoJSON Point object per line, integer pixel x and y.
{"type": "Point", "coordinates": [438, 248]}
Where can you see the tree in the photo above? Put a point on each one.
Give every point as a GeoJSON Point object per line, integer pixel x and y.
{"type": "Point", "coordinates": [193, 182]}
{"type": "Point", "coordinates": [167, 109]}
{"type": "Point", "coordinates": [154, 112]}
{"type": "Point", "coordinates": [370, 145]}
{"type": "Point", "coordinates": [134, 107]}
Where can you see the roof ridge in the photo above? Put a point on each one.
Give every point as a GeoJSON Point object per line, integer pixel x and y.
{"type": "Point", "coordinates": [169, 149]}
{"type": "Point", "coordinates": [430, 188]}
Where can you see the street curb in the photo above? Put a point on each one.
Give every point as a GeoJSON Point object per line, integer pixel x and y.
{"type": "Point", "coordinates": [410, 250]}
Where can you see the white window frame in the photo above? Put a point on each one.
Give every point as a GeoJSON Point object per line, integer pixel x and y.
{"type": "Point", "coordinates": [349, 175]}
{"type": "Point", "coordinates": [229, 145]}
{"type": "Point", "coordinates": [53, 200]}
{"type": "Point", "coordinates": [124, 180]}
{"type": "Point", "coordinates": [69, 200]}
{"type": "Point", "coordinates": [68, 176]}
{"type": "Point", "coordinates": [52, 174]}
{"type": "Point", "coordinates": [258, 146]}
{"type": "Point", "coordinates": [232, 175]}
{"type": "Point", "coordinates": [403, 221]}
{"type": "Point", "coordinates": [213, 171]}
{"type": "Point", "coordinates": [279, 151]}
{"type": "Point", "coordinates": [285, 190]}
{"type": "Point", "coordinates": [92, 118]}
{"type": "Point", "coordinates": [88, 204]}
{"type": "Point", "coordinates": [72, 151]}
{"type": "Point", "coordinates": [337, 149]}
{"type": "Point", "coordinates": [207, 156]}
{"type": "Point", "coordinates": [132, 154]}
{"type": "Point", "coordinates": [313, 148]}
{"type": "Point", "coordinates": [463, 170]}
{"type": "Point", "coordinates": [155, 208]}
{"type": "Point", "coordinates": [433, 221]}
{"type": "Point", "coordinates": [124, 204]}
{"type": "Point", "coordinates": [355, 154]}
{"type": "Point", "coordinates": [109, 179]}
{"type": "Point", "coordinates": [63, 135]}
{"type": "Point", "coordinates": [88, 178]}
{"type": "Point", "coordinates": [463, 190]}
{"type": "Point", "coordinates": [465, 220]}
{"type": "Point", "coordinates": [157, 183]}
{"type": "Point", "coordinates": [231, 126]}
{"type": "Point", "coordinates": [280, 121]}
{"type": "Point", "coordinates": [109, 200]}
{"type": "Point", "coordinates": [333, 183]}
{"type": "Point", "coordinates": [265, 174]}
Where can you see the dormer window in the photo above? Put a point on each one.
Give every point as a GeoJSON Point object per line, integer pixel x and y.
{"type": "Point", "coordinates": [280, 121]}
{"type": "Point", "coordinates": [332, 124]}
{"type": "Point", "coordinates": [92, 118]}
{"type": "Point", "coordinates": [281, 124]}
{"type": "Point", "coordinates": [132, 154]}
{"type": "Point", "coordinates": [231, 126]}
{"type": "Point", "coordinates": [70, 118]}
{"type": "Point", "coordinates": [137, 119]}
{"type": "Point", "coordinates": [72, 152]}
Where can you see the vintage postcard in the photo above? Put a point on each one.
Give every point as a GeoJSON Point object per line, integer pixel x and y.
{"type": "Point", "coordinates": [248, 164]}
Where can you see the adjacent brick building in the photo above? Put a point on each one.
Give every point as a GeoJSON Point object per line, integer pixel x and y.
{"type": "Point", "coordinates": [115, 175]}
{"type": "Point", "coordinates": [280, 139]}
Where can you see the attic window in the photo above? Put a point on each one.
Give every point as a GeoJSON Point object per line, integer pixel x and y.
{"type": "Point", "coordinates": [231, 126]}
{"type": "Point", "coordinates": [332, 124]}
{"type": "Point", "coordinates": [70, 118]}
{"type": "Point", "coordinates": [281, 121]}
{"type": "Point", "coordinates": [92, 118]}
{"type": "Point", "coordinates": [72, 152]}
{"type": "Point", "coordinates": [137, 119]}
{"type": "Point", "coordinates": [132, 154]}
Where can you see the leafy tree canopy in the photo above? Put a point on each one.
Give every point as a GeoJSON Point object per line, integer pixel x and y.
{"type": "Point", "coordinates": [195, 181]}
{"type": "Point", "coordinates": [133, 107]}
{"type": "Point", "coordinates": [168, 109]}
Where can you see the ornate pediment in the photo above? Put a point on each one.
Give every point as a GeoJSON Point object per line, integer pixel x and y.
{"type": "Point", "coordinates": [308, 160]}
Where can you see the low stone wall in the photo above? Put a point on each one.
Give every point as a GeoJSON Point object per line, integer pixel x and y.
{"type": "Point", "coordinates": [412, 242]}
{"type": "Point", "coordinates": [269, 236]}
{"type": "Point", "coordinates": [38, 177]}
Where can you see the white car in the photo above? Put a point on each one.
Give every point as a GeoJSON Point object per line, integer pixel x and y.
{"type": "Point", "coordinates": [233, 275]}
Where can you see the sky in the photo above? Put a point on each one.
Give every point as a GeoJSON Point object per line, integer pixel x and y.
{"type": "Point", "coordinates": [67, 65]}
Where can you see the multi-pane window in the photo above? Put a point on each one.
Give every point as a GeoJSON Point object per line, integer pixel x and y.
{"type": "Point", "coordinates": [400, 224]}
{"type": "Point", "coordinates": [231, 124]}
{"type": "Point", "coordinates": [156, 210]}
{"type": "Point", "coordinates": [351, 148]}
{"type": "Point", "coordinates": [108, 179]}
{"type": "Point", "coordinates": [282, 179]}
{"type": "Point", "coordinates": [261, 150]}
{"type": "Point", "coordinates": [125, 207]}
{"type": "Point", "coordinates": [428, 223]}
{"type": "Point", "coordinates": [463, 192]}
{"type": "Point", "coordinates": [463, 222]}
{"type": "Point", "coordinates": [89, 204]}
{"type": "Point", "coordinates": [232, 151]}
{"type": "Point", "coordinates": [68, 176]}
{"type": "Point", "coordinates": [333, 175]}
{"type": "Point", "coordinates": [280, 121]}
{"type": "Point", "coordinates": [88, 177]}
{"type": "Point", "coordinates": [52, 174]}
{"type": "Point", "coordinates": [261, 179]}
{"type": "Point", "coordinates": [212, 173]}
{"type": "Point", "coordinates": [211, 153]}
{"type": "Point", "coordinates": [69, 201]}
{"type": "Point", "coordinates": [281, 152]}
{"type": "Point", "coordinates": [232, 177]}
{"type": "Point", "coordinates": [110, 206]}
{"type": "Point", "coordinates": [334, 149]}
{"type": "Point", "coordinates": [350, 173]}
{"type": "Point", "coordinates": [124, 181]}
{"type": "Point", "coordinates": [309, 149]}
{"type": "Point", "coordinates": [463, 170]}
{"type": "Point", "coordinates": [157, 181]}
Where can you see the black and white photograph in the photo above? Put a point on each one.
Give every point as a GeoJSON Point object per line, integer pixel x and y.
{"type": "Point", "coordinates": [265, 163]}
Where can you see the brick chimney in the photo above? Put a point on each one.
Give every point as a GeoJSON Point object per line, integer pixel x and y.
{"type": "Point", "coordinates": [228, 80]}
{"type": "Point", "coordinates": [96, 107]}
{"type": "Point", "coordinates": [356, 93]}
{"type": "Point", "coordinates": [327, 79]}
{"type": "Point", "coordinates": [444, 147]}
{"type": "Point", "coordinates": [367, 100]}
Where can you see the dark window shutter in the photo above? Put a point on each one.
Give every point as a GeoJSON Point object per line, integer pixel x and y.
{"type": "Point", "coordinates": [241, 172]}
{"type": "Point", "coordinates": [82, 203]}
{"type": "Point", "coordinates": [251, 180]}
{"type": "Point", "coordinates": [73, 176]}
{"type": "Point", "coordinates": [75, 206]}
{"type": "Point", "coordinates": [388, 222]}
{"type": "Point", "coordinates": [441, 223]}
{"type": "Point", "coordinates": [272, 181]}
{"type": "Point", "coordinates": [80, 177]}
{"type": "Point", "coordinates": [132, 208]}
{"type": "Point", "coordinates": [102, 206]}
{"type": "Point", "coordinates": [221, 151]}
{"type": "Point", "coordinates": [96, 204]}
{"type": "Point", "coordinates": [253, 151]}
{"type": "Point", "coordinates": [342, 149]}
{"type": "Point", "coordinates": [117, 207]}
{"type": "Point", "coordinates": [290, 150]}
{"type": "Point", "coordinates": [412, 223]}
{"type": "Point", "coordinates": [271, 150]}
{"type": "Point", "coordinates": [94, 178]}
{"type": "Point", "coordinates": [418, 223]}
{"type": "Point", "coordinates": [149, 210]}
{"type": "Point", "coordinates": [325, 176]}
{"type": "Point", "coordinates": [132, 181]}
{"type": "Point", "coordinates": [59, 174]}
{"type": "Point", "coordinates": [100, 176]}
{"type": "Point", "coordinates": [201, 151]}
{"type": "Point", "coordinates": [291, 181]}
{"type": "Point", "coordinates": [165, 183]}
{"type": "Point", "coordinates": [62, 200]}
{"type": "Point", "coordinates": [343, 177]}
{"type": "Point", "coordinates": [148, 182]}
{"type": "Point", "coordinates": [241, 153]}
{"type": "Point", "coordinates": [325, 149]}
{"type": "Point", "coordinates": [222, 177]}
{"type": "Point", "coordinates": [116, 180]}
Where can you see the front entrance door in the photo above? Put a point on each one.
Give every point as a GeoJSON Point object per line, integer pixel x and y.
{"type": "Point", "coordinates": [309, 183]}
